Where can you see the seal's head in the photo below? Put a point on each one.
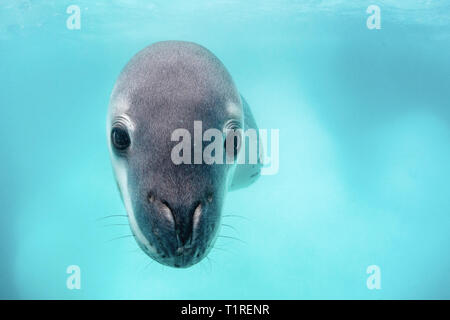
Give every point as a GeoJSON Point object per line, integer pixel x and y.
{"type": "Point", "coordinates": [174, 210]}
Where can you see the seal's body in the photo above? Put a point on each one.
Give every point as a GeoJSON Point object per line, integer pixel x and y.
{"type": "Point", "coordinates": [174, 210]}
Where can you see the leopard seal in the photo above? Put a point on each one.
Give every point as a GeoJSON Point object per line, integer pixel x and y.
{"type": "Point", "coordinates": [174, 210]}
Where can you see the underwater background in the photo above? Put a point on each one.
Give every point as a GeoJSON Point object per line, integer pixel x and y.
{"type": "Point", "coordinates": [364, 120]}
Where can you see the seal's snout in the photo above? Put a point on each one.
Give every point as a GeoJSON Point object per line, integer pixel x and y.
{"type": "Point", "coordinates": [184, 227]}
{"type": "Point", "coordinates": [181, 220]}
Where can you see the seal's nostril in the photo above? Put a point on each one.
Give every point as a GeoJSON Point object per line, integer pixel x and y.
{"type": "Point", "coordinates": [165, 203]}
{"type": "Point", "coordinates": [209, 197]}
{"type": "Point", "coordinates": [196, 217]}
{"type": "Point", "coordinates": [166, 211]}
{"type": "Point", "coordinates": [151, 197]}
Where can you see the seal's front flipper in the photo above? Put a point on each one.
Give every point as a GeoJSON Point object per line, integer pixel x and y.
{"type": "Point", "coordinates": [249, 171]}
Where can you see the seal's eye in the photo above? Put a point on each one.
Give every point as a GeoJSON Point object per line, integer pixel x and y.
{"type": "Point", "coordinates": [120, 138]}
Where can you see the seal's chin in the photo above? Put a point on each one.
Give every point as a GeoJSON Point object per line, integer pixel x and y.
{"type": "Point", "coordinates": [180, 257]}
{"type": "Point", "coordinates": [183, 257]}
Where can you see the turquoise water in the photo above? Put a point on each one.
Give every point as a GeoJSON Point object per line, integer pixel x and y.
{"type": "Point", "coordinates": [364, 124]}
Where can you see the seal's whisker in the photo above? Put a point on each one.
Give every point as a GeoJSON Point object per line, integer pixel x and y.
{"type": "Point", "coordinates": [233, 238]}
{"type": "Point", "coordinates": [203, 264]}
{"type": "Point", "coordinates": [111, 216]}
{"type": "Point", "coordinates": [115, 224]}
{"type": "Point", "coordinates": [235, 216]}
{"type": "Point", "coordinates": [143, 265]}
{"type": "Point", "coordinates": [121, 237]}
{"type": "Point", "coordinates": [230, 226]}
{"type": "Point", "coordinates": [210, 261]}
{"type": "Point", "coordinates": [221, 249]}
{"type": "Point", "coordinates": [138, 250]}
{"type": "Point", "coordinates": [215, 246]}
{"type": "Point", "coordinates": [147, 265]}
